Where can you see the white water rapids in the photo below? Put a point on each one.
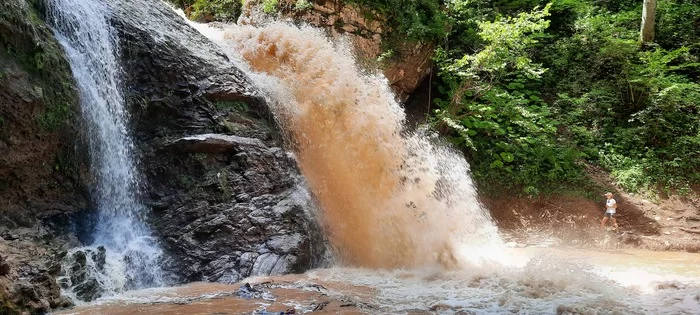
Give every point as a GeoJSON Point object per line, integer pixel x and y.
{"type": "Point", "coordinates": [536, 281]}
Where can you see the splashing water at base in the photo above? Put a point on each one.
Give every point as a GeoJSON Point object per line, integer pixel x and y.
{"type": "Point", "coordinates": [127, 256]}
{"type": "Point", "coordinates": [389, 197]}
{"type": "Point", "coordinates": [546, 281]}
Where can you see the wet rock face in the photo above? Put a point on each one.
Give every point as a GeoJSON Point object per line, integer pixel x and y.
{"type": "Point", "coordinates": [222, 191]}
{"type": "Point", "coordinates": [39, 166]}
{"type": "Point", "coordinates": [232, 214]}
{"type": "Point", "coordinates": [38, 103]}
{"type": "Point", "coordinates": [38, 100]}
{"type": "Point", "coordinates": [82, 279]}
{"type": "Point", "coordinates": [4, 267]}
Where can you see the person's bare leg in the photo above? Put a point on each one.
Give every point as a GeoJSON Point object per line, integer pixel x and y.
{"type": "Point", "coordinates": [614, 221]}
{"type": "Point", "coordinates": [602, 223]}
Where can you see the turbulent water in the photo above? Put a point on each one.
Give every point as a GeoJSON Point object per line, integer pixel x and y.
{"type": "Point", "coordinates": [537, 281]}
{"type": "Point", "coordinates": [90, 42]}
{"type": "Point", "coordinates": [389, 197]}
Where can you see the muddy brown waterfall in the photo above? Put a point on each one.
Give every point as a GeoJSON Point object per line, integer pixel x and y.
{"type": "Point", "coordinates": [390, 197]}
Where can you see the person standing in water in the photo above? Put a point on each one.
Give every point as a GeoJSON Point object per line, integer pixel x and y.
{"type": "Point", "coordinates": [610, 209]}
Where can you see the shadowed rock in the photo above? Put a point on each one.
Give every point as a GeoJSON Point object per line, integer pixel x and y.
{"type": "Point", "coordinates": [225, 196]}
{"type": "Point", "coordinates": [214, 143]}
{"type": "Point", "coordinates": [4, 267]}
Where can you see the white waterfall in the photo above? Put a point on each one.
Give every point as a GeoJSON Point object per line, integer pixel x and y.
{"type": "Point", "coordinates": [91, 45]}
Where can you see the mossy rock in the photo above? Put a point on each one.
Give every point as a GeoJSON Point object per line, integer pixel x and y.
{"type": "Point", "coordinates": [7, 307]}
{"type": "Point", "coordinates": [27, 42]}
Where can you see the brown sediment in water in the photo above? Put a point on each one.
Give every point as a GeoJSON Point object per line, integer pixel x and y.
{"type": "Point", "coordinates": [330, 138]}
{"type": "Point", "coordinates": [380, 191]}
{"type": "Point", "coordinates": [626, 282]}
{"type": "Point", "coordinates": [286, 293]}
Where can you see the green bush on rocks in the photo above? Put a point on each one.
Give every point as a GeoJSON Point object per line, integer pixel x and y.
{"type": "Point", "coordinates": [210, 10]}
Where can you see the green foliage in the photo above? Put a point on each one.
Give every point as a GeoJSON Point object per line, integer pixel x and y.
{"type": "Point", "coordinates": [677, 23]}
{"type": "Point", "coordinates": [416, 20]}
{"type": "Point", "coordinates": [270, 6]}
{"type": "Point", "coordinates": [230, 127]}
{"type": "Point", "coordinates": [387, 55]}
{"type": "Point", "coordinates": [508, 39]}
{"type": "Point", "coordinates": [210, 10]}
{"type": "Point", "coordinates": [216, 10]}
{"type": "Point", "coordinates": [531, 97]}
{"type": "Point", "coordinates": [237, 106]}
{"type": "Point", "coordinates": [54, 117]}
{"type": "Point", "coordinates": [496, 112]}
{"type": "Point", "coordinates": [627, 171]}
{"type": "Point", "coordinates": [637, 107]}
{"type": "Point", "coordinates": [302, 5]}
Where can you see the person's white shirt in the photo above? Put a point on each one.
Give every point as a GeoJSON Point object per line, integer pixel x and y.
{"type": "Point", "coordinates": [610, 205]}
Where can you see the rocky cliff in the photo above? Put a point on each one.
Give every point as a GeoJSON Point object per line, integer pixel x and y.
{"type": "Point", "coordinates": [40, 182]}
{"type": "Point", "coordinates": [223, 190]}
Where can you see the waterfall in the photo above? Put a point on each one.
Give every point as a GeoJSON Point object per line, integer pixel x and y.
{"type": "Point", "coordinates": [124, 255]}
{"type": "Point", "coordinates": [389, 197]}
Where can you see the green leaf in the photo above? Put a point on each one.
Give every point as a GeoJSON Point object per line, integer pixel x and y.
{"type": "Point", "coordinates": [507, 157]}
{"type": "Point", "coordinates": [496, 164]}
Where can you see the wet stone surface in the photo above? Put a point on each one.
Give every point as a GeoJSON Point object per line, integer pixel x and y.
{"type": "Point", "coordinates": [223, 193]}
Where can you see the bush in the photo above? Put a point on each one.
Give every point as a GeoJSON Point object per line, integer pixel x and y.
{"type": "Point", "coordinates": [210, 10]}
{"type": "Point", "coordinates": [270, 6]}
{"type": "Point", "coordinates": [418, 20]}
{"type": "Point", "coordinates": [302, 5]}
{"type": "Point", "coordinates": [530, 105]}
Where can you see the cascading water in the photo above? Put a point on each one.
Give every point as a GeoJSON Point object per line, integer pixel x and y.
{"type": "Point", "coordinates": [390, 197]}
{"type": "Point", "coordinates": [393, 198]}
{"type": "Point", "coordinates": [123, 255]}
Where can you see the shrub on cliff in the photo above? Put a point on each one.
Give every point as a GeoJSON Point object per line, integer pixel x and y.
{"type": "Point", "coordinates": [420, 20]}
{"type": "Point", "coordinates": [210, 10]}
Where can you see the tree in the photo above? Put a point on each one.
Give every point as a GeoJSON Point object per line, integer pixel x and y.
{"type": "Point", "coordinates": [648, 15]}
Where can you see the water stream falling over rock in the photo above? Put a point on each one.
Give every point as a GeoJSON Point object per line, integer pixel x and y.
{"type": "Point", "coordinates": [390, 197]}
{"type": "Point", "coordinates": [123, 253]}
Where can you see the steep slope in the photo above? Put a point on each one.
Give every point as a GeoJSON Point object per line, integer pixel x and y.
{"type": "Point", "coordinates": [40, 171]}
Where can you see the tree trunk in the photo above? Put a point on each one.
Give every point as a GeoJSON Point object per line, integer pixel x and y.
{"type": "Point", "coordinates": [648, 15]}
